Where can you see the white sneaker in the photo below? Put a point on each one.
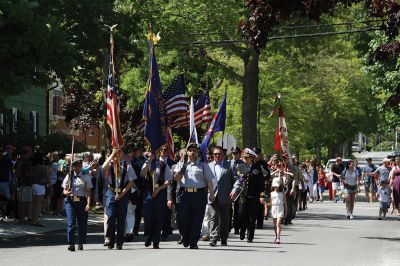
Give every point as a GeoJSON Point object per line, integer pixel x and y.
{"type": "Point", "coordinates": [351, 217]}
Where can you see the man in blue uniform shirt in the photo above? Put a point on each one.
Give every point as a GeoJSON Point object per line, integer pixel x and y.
{"type": "Point", "coordinates": [158, 176]}
{"type": "Point", "coordinates": [194, 177]}
{"type": "Point", "coordinates": [117, 194]}
{"type": "Point", "coordinates": [77, 191]}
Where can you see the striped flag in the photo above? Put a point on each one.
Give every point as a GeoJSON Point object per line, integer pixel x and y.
{"type": "Point", "coordinates": [170, 142]}
{"type": "Point", "coordinates": [202, 112]}
{"type": "Point", "coordinates": [175, 99]}
{"type": "Point", "coordinates": [113, 105]}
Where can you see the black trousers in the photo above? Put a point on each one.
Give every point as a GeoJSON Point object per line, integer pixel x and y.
{"type": "Point", "coordinates": [154, 214]}
{"type": "Point", "coordinates": [260, 215]}
{"type": "Point", "coordinates": [292, 205]}
{"type": "Point", "coordinates": [248, 216]}
{"type": "Point", "coordinates": [166, 228]}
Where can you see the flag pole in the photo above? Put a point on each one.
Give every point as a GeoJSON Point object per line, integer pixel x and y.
{"type": "Point", "coordinates": [69, 185]}
{"type": "Point", "coordinates": [113, 72]}
{"type": "Point", "coordinates": [223, 131]}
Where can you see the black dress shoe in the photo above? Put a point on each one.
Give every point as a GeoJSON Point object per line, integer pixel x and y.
{"type": "Point", "coordinates": [71, 247]}
{"type": "Point", "coordinates": [119, 247]}
{"type": "Point", "coordinates": [156, 246]}
{"type": "Point", "coordinates": [213, 243]}
{"type": "Point", "coordinates": [249, 240]}
{"type": "Point", "coordinates": [111, 245]}
{"type": "Point", "coordinates": [80, 247]}
{"type": "Point", "coordinates": [129, 238]}
{"type": "Point", "coordinates": [224, 243]}
{"type": "Point", "coordinates": [242, 235]}
{"type": "Point", "coordinates": [148, 242]}
{"type": "Point", "coordinates": [194, 246]}
{"type": "Point", "coordinates": [185, 244]}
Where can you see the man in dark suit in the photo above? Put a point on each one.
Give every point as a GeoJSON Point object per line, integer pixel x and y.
{"type": "Point", "coordinates": [253, 193]}
{"type": "Point", "coordinates": [223, 190]}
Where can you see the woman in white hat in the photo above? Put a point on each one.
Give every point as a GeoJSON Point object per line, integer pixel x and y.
{"type": "Point", "coordinates": [278, 207]}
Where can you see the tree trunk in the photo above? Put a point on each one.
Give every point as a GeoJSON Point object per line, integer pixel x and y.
{"type": "Point", "coordinates": [318, 153]}
{"type": "Point", "coordinates": [250, 98]}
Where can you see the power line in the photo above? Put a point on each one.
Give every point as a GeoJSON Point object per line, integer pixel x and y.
{"type": "Point", "coordinates": [321, 34]}
{"type": "Point", "coordinates": [278, 37]}
{"type": "Point", "coordinates": [349, 23]}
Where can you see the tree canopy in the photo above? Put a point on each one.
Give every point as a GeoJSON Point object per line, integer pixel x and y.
{"type": "Point", "coordinates": [333, 87]}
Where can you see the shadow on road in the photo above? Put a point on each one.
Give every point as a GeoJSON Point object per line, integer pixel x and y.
{"type": "Point", "coordinates": [382, 238]}
{"type": "Point", "coordinates": [331, 216]}
{"type": "Point", "coordinates": [54, 238]}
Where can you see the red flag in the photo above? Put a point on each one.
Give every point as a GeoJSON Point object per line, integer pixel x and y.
{"type": "Point", "coordinates": [277, 140]}
{"type": "Point", "coordinates": [281, 136]}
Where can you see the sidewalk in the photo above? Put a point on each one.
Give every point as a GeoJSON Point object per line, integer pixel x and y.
{"type": "Point", "coordinates": [11, 229]}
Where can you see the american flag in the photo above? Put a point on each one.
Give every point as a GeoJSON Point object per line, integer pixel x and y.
{"type": "Point", "coordinates": [113, 106]}
{"type": "Point", "coordinates": [175, 99]}
{"type": "Point", "coordinates": [202, 112]}
{"type": "Point", "coordinates": [170, 141]}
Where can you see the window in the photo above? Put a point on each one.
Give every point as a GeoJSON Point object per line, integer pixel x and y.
{"type": "Point", "coordinates": [1, 124]}
{"type": "Point", "coordinates": [57, 105]}
{"type": "Point", "coordinates": [14, 119]}
{"type": "Point", "coordinates": [34, 123]}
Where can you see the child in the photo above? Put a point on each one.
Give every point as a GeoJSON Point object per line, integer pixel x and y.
{"type": "Point", "coordinates": [321, 182]}
{"type": "Point", "coordinates": [278, 207]}
{"type": "Point", "coordinates": [384, 199]}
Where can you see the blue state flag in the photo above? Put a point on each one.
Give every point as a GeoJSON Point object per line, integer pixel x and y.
{"type": "Point", "coordinates": [217, 124]}
{"type": "Point", "coordinates": [153, 109]}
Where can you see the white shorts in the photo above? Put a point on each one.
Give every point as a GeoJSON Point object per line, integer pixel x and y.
{"type": "Point", "coordinates": [38, 190]}
{"type": "Point", "coordinates": [335, 185]}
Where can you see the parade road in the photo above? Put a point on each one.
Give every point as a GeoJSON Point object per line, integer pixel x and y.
{"type": "Point", "coordinates": [319, 236]}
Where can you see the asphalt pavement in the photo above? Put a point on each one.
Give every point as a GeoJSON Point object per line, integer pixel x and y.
{"type": "Point", "coordinates": [321, 235]}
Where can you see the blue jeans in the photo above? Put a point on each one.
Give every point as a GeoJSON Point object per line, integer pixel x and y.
{"type": "Point", "coordinates": [116, 212]}
{"type": "Point", "coordinates": [76, 211]}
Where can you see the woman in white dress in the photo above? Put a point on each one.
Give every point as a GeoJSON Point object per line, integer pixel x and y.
{"type": "Point", "coordinates": [278, 207]}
